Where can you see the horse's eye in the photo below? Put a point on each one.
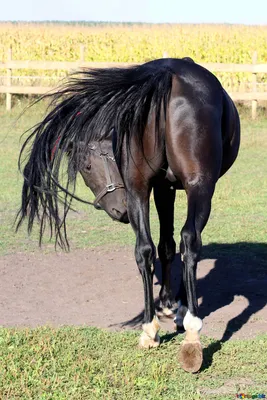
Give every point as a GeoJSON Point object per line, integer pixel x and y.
{"type": "Point", "coordinates": [88, 167]}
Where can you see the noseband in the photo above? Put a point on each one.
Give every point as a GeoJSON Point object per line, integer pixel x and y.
{"type": "Point", "coordinates": [110, 186]}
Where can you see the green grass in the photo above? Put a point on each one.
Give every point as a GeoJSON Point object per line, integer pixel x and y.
{"type": "Point", "coordinates": [87, 363]}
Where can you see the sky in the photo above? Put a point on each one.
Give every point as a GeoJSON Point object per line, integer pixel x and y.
{"type": "Point", "coordinates": [153, 11]}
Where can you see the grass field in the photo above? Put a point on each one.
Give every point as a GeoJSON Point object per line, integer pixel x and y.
{"type": "Point", "coordinates": [88, 363]}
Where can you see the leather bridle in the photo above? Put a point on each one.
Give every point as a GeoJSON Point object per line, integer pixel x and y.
{"type": "Point", "coordinates": [110, 186]}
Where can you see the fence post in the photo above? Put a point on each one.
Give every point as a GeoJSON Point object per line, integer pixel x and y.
{"type": "Point", "coordinates": [82, 52]}
{"type": "Point", "coordinates": [254, 103]}
{"type": "Point", "coordinates": [9, 81]}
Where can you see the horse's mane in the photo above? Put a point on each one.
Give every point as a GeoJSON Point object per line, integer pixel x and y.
{"type": "Point", "coordinates": [85, 109]}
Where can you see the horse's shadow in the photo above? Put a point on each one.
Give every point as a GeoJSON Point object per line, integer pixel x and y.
{"type": "Point", "coordinates": [240, 269]}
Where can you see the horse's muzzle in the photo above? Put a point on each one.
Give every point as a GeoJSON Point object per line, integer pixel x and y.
{"type": "Point", "coordinates": [121, 217]}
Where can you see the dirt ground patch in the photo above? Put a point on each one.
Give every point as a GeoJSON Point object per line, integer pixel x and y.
{"type": "Point", "coordinates": [102, 287]}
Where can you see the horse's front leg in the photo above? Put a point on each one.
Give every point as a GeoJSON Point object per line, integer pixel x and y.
{"type": "Point", "coordinates": [145, 254]}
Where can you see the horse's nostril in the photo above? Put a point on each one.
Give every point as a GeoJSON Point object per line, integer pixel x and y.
{"type": "Point", "coordinates": [122, 217]}
{"type": "Point", "coordinates": [117, 213]}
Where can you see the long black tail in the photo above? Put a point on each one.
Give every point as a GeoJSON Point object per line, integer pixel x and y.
{"type": "Point", "coordinates": [85, 109]}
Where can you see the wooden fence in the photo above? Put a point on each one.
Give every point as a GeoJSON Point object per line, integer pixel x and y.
{"type": "Point", "coordinates": [253, 96]}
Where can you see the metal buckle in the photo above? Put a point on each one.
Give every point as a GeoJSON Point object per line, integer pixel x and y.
{"type": "Point", "coordinates": [111, 187]}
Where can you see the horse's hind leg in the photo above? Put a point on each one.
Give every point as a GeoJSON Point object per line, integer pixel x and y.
{"type": "Point", "coordinates": [199, 196]}
{"type": "Point", "coordinates": [164, 199]}
{"type": "Point", "coordinates": [194, 154]}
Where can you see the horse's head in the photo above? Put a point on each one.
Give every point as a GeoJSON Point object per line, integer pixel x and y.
{"type": "Point", "coordinates": [101, 174]}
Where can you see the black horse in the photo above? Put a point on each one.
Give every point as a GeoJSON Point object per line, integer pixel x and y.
{"type": "Point", "coordinates": [167, 124]}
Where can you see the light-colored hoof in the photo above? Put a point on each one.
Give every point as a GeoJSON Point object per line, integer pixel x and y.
{"type": "Point", "coordinates": [191, 356]}
{"type": "Point", "coordinates": [165, 312]}
{"type": "Point", "coordinates": [150, 337]}
{"type": "Point", "coordinates": [146, 342]}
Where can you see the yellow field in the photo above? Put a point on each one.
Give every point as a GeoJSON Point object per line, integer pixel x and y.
{"type": "Point", "coordinates": [137, 43]}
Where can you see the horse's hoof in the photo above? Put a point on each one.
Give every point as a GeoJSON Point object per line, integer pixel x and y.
{"type": "Point", "coordinates": [165, 312]}
{"type": "Point", "coordinates": [178, 328]}
{"type": "Point", "coordinates": [179, 318]}
{"type": "Point", "coordinates": [146, 342]}
{"type": "Point", "coordinates": [191, 356]}
{"type": "Point", "coordinates": [178, 323]}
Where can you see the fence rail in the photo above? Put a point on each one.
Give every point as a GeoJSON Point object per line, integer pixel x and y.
{"type": "Point", "coordinates": [10, 65]}
{"type": "Point", "coordinates": [69, 65]}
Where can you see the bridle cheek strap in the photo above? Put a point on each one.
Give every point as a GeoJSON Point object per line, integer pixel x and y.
{"type": "Point", "coordinates": [110, 186]}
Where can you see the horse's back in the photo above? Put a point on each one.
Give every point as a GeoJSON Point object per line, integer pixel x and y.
{"type": "Point", "coordinates": [190, 75]}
